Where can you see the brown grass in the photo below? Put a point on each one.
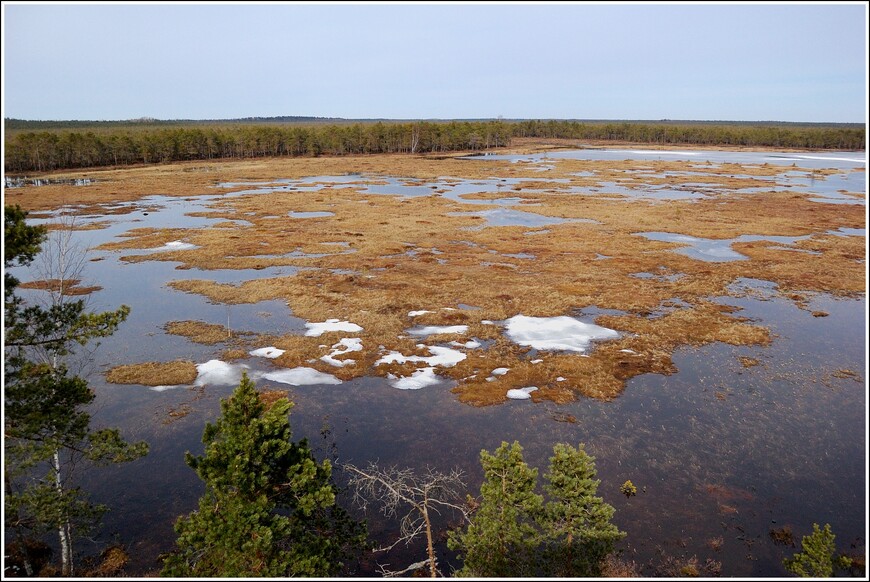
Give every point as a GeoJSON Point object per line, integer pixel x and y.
{"type": "Point", "coordinates": [270, 397]}
{"type": "Point", "coordinates": [783, 536]}
{"type": "Point", "coordinates": [199, 331]}
{"type": "Point", "coordinates": [844, 373]}
{"type": "Point", "coordinates": [450, 264]}
{"type": "Point", "coordinates": [748, 362]}
{"type": "Point", "coordinates": [154, 373]}
{"type": "Point", "coordinates": [70, 286]}
{"type": "Point", "coordinates": [112, 562]}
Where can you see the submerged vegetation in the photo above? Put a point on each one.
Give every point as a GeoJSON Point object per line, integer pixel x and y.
{"type": "Point", "coordinates": [136, 143]}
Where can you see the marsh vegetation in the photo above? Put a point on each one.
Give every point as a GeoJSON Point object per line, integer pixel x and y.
{"type": "Point", "coordinates": [418, 309]}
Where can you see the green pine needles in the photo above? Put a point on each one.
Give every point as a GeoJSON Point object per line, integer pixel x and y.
{"type": "Point", "coordinates": [269, 508]}
{"type": "Point", "coordinates": [817, 560]}
{"type": "Point", "coordinates": [516, 533]}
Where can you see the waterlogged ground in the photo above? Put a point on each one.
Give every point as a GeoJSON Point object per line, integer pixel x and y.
{"type": "Point", "coordinates": [695, 317]}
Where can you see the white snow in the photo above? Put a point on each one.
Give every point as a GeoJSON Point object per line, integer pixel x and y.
{"type": "Point", "coordinates": [175, 245]}
{"type": "Point", "coordinates": [219, 373]}
{"type": "Point", "coordinates": [433, 329]}
{"type": "Point", "coordinates": [555, 333]}
{"type": "Point", "coordinates": [420, 312]}
{"type": "Point", "coordinates": [349, 344]}
{"type": "Point", "coordinates": [441, 356]}
{"type": "Point", "coordinates": [536, 361]}
{"type": "Point", "coordinates": [855, 160]}
{"type": "Point", "coordinates": [419, 379]}
{"type": "Point", "coordinates": [561, 379]}
{"type": "Point", "coordinates": [471, 344]}
{"type": "Point", "coordinates": [500, 371]}
{"type": "Point", "coordinates": [269, 352]}
{"type": "Point", "coordinates": [301, 377]}
{"type": "Point", "coordinates": [628, 351]}
{"type": "Point", "coordinates": [164, 388]}
{"type": "Point", "coordinates": [486, 322]}
{"type": "Point", "coordinates": [521, 393]}
{"type": "Point", "coordinates": [659, 152]}
{"type": "Point", "coordinates": [316, 329]}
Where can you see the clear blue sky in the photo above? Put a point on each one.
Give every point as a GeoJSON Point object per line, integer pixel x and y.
{"type": "Point", "coordinates": [786, 62]}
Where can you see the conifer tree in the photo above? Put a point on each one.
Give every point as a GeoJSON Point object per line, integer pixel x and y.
{"type": "Point", "coordinates": [502, 539]}
{"type": "Point", "coordinates": [576, 523]}
{"type": "Point", "coordinates": [269, 508]}
{"type": "Point", "coordinates": [513, 533]}
{"type": "Point", "coordinates": [817, 558]}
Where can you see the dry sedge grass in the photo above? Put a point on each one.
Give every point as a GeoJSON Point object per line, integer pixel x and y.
{"type": "Point", "coordinates": [270, 397]}
{"type": "Point", "coordinates": [199, 331]}
{"type": "Point", "coordinates": [70, 286]}
{"type": "Point", "coordinates": [748, 362]}
{"type": "Point", "coordinates": [154, 374]}
{"type": "Point", "coordinates": [379, 257]}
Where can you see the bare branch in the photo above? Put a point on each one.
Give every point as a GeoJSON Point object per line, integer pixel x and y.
{"type": "Point", "coordinates": [412, 499]}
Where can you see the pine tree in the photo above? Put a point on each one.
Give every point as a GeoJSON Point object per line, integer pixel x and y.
{"type": "Point", "coordinates": [817, 558]}
{"type": "Point", "coordinates": [501, 539]}
{"type": "Point", "coordinates": [576, 523]}
{"type": "Point", "coordinates": [47, 430]}
{"type": "Point", "coordinates": [269, 508]}
{"type": "Point", "coordinates": [513, 533]}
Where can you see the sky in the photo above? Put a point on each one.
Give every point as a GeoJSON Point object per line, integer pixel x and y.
{"type": "Point", "coordinates": [748, 62]}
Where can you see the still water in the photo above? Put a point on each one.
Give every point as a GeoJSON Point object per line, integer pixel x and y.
{"type": "Point", "coordinates": [721, 453]}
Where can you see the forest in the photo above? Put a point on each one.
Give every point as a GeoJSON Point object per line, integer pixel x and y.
{"type": "Point", "coordinates": [57, 146]}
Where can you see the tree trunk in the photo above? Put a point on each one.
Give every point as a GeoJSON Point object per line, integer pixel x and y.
{"type": "Point", "coordinates": [64, 528]}
{"type": "Point", "coordinates": [429, 546]}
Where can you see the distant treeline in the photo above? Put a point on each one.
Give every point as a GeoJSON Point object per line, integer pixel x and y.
{"type": "Point", "coordinates": [35, 124]}
{"type": "Point", "coordinates": [29, 151]}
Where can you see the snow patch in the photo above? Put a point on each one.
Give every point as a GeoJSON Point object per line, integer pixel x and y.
{"type": "Point", "coordinates": [301, 377]}
{"type": "Point", "coordinates": [316, 329]}
{"type": "Point", "coordinates": [556, 333]}
{"type": "Point", "coordinates": [417, 313]}
{"type": "Point", "coordinates": [441, 356]}
{"type": "Point", "coordinates": [216, 372]}
{"type": "Point", "coordinates": [175, 245]}
{"type": "Point", "coordinates": [471, 344]}
{"type": "Point", "coordinates": [269, 352]}
{"type": "Point", "coordinates": [349, 344]}
{"type": "Point", "coordinates": [164, 388]}
{"type": "Point", "coordinates": [419, 379]}
{"type": "Point", "coordinates": [433, 329]}
{"type": "Point", "coordinates": [521, 393]}
{"type": "Point", "coordinates": [500, 371]}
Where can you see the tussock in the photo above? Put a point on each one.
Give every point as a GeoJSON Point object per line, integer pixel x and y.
{"type": "Point", "coordinates": [397, 255]}
{"type": "Point", "coordinates": [154, 373]}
